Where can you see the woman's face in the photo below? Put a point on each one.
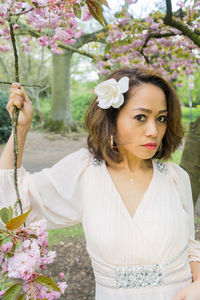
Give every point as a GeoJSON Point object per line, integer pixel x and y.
{"type": "Point", "coordinates": [142, 122]}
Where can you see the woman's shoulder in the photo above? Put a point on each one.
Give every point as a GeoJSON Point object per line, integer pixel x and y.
{"type": "Point", "coordinates": [171, 168]}
{"type": "Point", "coordinates": [178, 175]}
{"type": "Point", "coordinates": [81, 158]}
{"type": "Point", "coordinates": [178, 169]}
{"type": "Point", "coordinates": [75, 160]}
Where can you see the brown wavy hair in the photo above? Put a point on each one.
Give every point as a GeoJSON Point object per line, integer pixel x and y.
{"type": "Point", "coordinates": [101, 123]}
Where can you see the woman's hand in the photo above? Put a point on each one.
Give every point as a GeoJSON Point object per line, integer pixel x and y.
{"type": "Point", "coordinates": [19, 98]}
{"type": "Point", "coordinates": [191, 292]}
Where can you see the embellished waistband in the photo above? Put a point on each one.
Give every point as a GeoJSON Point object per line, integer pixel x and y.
{"type": "Point", "coordinates": [139, 276]}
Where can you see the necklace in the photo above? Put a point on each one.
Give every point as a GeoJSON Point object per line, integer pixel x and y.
{"type": "Point", "coordinates": [131, 180]}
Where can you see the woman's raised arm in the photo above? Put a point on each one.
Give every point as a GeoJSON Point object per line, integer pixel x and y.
{"type": "Point", "coordinates": [19, 98]}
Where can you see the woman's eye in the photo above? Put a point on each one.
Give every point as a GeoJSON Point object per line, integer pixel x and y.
{"type": "Point", "coordinates": [140, 118]}
{"type": "Point", "coordinates": [162, 119]}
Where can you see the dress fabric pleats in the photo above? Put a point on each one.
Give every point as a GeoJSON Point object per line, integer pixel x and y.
{"type": "Point", "coordinates": [144, 257]}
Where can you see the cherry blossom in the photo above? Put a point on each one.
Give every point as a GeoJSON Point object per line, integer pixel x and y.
{"type": "Point", "coordinates": [31, 255]}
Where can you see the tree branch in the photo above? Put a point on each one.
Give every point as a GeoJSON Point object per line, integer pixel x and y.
{"type": "Point", "coordinates": [26, 29]}
{"type": "Point", "coordinates": [33, 85]}
{"type": "Point", "coordinates": [87, 38]}
{"type": "Point", "coordinates": [169, 20]}
{"type": "Point", "coordinates": [158, 36]}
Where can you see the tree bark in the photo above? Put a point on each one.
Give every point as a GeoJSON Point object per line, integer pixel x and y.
{"type": "Point", "coordinates": [61, 118]}
{"type": "Point", "coordinates": [190, 160]}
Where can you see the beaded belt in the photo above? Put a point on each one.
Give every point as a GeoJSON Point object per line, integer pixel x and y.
{"type": "Point", "coordinates": [139, 276]}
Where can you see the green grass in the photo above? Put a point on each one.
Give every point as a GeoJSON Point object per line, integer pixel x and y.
{"type": "Point", "coordinates": [186, 114]}
{"type": "Point", "coordinates": [61, 235]}
{"type": "Point", "coordinates": [45, 105]}
{"type": "Point", "coordinates": [196, 220]}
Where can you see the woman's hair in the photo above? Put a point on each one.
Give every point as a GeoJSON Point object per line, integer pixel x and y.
{"type": "Point", "coordinates": [101, 123]}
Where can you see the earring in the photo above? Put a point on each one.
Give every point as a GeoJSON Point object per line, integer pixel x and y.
{"type": "Point", "coordinates": [111, 141]}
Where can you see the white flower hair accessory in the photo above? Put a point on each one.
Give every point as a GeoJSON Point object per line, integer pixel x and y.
{"type": "Point", "coordinates": [110, 92]}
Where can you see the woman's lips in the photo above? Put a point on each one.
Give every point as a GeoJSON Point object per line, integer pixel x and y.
{"type": "Point", "coordinates": [150, 146]}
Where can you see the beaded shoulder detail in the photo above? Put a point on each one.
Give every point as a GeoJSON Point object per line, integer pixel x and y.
{"type": "Point", "coordinates": [161, 166]}
{"type": "Point", "coordinates": [96, 162]}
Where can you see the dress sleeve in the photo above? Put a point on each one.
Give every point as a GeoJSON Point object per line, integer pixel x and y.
{"type": "Point", "coordinates": [54, 193]}
{"type": "Point", "coordinates": [194, 245]}
{"type": "Point", "coordinates": [183, 181]}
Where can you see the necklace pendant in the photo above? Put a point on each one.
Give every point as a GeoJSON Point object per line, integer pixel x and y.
{"type": "Point", "coordinates": [131, 180]}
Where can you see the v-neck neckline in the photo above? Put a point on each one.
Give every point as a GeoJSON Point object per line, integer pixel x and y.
{"type": "Point", "coordinates": [120, 198]}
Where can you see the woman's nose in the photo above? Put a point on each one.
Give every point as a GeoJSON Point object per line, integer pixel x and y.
{"type": "Point", "coordinates": [151, 129]}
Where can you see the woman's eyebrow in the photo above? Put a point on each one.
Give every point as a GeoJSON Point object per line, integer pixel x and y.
{"type": "Point", "coordinates": [149, 110]}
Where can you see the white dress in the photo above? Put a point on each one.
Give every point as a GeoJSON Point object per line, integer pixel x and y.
{"type": "Point", "coordinates": [144, 257]}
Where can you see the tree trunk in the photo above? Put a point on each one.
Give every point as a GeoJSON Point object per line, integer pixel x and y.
{"type": "Point", "coordinates": [61, 117]}
{"type": "Point", "coordinates": [190, 160]}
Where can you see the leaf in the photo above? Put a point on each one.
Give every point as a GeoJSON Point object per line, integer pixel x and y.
{"type": "Point", "coordinates": [48, 282]}
{"type": "Point", "coordinates": [4, 214]}
{"type": "Point", "coordinates": [104, 2]}
{"type": "Point", "coordinates": [33, 236]}
{"type": "Point", "coordinates": [107, 47]}
{"type": "Point", "coordinates": [96, 11]}
{"type": "Point", "coordinates": [77, 10]}
{"type": "Point", "coordinates": [12, 292]}
{"type": "Point", "coordinates": [12, 251]}
{"type": "Point", "coordinates": [17, 221]}
{"type": "Point", "coordinates": [10, 212]}
{"type": "Point", "coordinates": [21, 297]}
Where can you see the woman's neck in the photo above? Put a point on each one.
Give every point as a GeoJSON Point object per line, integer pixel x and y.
{"type": "Point", "coordinates": [131, 163]}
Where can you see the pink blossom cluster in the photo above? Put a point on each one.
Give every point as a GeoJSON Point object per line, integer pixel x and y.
{"type": "Point", "coordinates": [32, 254]}
{"type": "Point", "coordinates": [124, 21]}
{"type": "Point", "coordinates": [131, 1]}
{"type": "Point", "coordinates": [54, 20]}
{"type": "Point", "coordinates": [169, 55]}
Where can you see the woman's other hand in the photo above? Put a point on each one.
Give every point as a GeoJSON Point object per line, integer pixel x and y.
{"type": "Point", "coordinates": [19, 98]}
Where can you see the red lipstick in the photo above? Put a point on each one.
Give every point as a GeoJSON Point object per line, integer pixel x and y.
{"type": "Point", "coordinates": [150, 146]}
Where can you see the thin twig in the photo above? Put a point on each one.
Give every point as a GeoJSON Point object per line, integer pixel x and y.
{"type": "Point", "coordinates": [15, 116]}
{"type": "Point", "coordinates": [33, 85]}
{"type": "Point", "coordinates": [15, 52]}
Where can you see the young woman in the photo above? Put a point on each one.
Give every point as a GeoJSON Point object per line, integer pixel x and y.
{"type": "Point", "coordinates": [136, 209]}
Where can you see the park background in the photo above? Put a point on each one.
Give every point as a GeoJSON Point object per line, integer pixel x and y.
{"type": "Point", "coordinates": [67, 88]}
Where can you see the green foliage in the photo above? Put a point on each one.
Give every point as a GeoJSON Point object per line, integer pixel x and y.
{"type": "Point", "coordinates": [176, 156]}
{"type": "Point", "coordinates": [186, 114]}
{"type": "Point", "coordinates": [12, 292]}
{"type": "Point", "coordinates": [5, 122]}
{"type": "Point", "coordinates": [183, 91]}
{"type": "Point", "coordinates": [58, 235]}
{"type": "Point", "coordinates": [48, 282]}
{"type": "Point", "coordinates": [6, 214]}
{"type": "Point", "coordinates": [81, 97]}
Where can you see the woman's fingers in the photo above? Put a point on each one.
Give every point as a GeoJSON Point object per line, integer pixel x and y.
{"type": "Point", "coordinates": [26, 98]}
{"type": "Point", "coordinates": [17, 101]}
{"type": "Point", "coordinates": [17, 96]}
